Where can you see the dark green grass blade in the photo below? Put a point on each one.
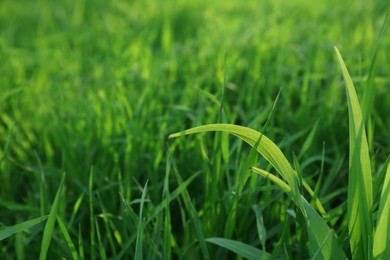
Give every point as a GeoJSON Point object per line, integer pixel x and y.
{"type": "Point", "coordinates": [195, 219]}
{"type": "Point", "coordinates": [68, 240]}
{"type": "Point", "coordinates": [240, 248]}
{"type": "Point", "coordinates": [138, 244]}
{"type": "Point", "coordinates": [9, 231]}
{"type": "Point", "coordinates": [360, 180]}
{"type": "Point", "coordinates": [382, 233]}
{"type": "Point", "coordinates": [49, 227]}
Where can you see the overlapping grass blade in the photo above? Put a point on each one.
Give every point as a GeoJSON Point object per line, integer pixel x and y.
{"type": "Point", "coordinates": [268, 149]}
{"type": "Point", "coordinates": [381, 249]}
{"type": "Point", "coordinates": [9, 231]}
{"type": "Point", "coordinates": [360, 180]}
{"type": "Point", "coordinates": [323, 242]}
{"type": "Point", "coordinates": [240, 248]}
{"type": "Point", "coordinates": [49, 227]}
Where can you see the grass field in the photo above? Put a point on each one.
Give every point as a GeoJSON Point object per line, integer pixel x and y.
{"type": "Point", "coordinates": [91, 90]}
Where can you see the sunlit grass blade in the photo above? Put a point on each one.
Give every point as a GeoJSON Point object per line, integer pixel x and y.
{"type": "Point", "coordinates": [360, 180]}
{"type": "Point", "coordinates": [273, 178]}
{"type": "Point", "coordinates": [268, 149]}
{"type": "Point", "coordinates": [240, 248]}
{"type": "Point", "coordinates": [49, 227]}
{"type": "Point", "coordinates": [9, 231]}
{"type": "Point", "coordinates": [138, 244]}
{"type": "Point", "coordinates": [68, 240]}
{"type": "Point", "coordinates": [323, 242]}
{"type": "Point", "coordinates": [381, 248]}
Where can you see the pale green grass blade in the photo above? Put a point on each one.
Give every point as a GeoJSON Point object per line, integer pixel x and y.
{"type": "Point", "coordinates": [241, 249]}
{"type": "Point", "coordinates": [382, 233]}
{"type": "Point", "coordinates": [9, 231]}
{"type": "Point", "coordinates": [360, 180]}
{"type": "Point", "coordinates": [49, 227]}
{"type": "Point", "coordinates": [282, 185]}
{"type": "Point", "coordinates": [138, 245]}
{"type": "Point", "coordinates": [68, 240]}
{"type": "Point", "coordinates": [268, 149]}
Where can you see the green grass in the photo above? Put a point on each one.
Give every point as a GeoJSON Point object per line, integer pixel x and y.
{"type": "Point", "coordinates": [93, 89]}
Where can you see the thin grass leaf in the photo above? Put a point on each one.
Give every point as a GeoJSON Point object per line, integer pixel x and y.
{"type": "Point", "coordinates": [261, 230]}
{"type": "Point", "coordinates": [49, 227]}
{"type": "Point", "coordinates": [101, 247]}
{"type": "Point", "coordinates": [369, 93]}
{"type": "Point", "coordinates": [381, 249]}
{"type": "Point", "coordinates": [138, 244]}
{"type": "Point", "coordinates": [360, 181]}
{"type": "Point", "coordinates": [195, 219]}
{"type": "Point", "coordinates": [9, 231]}
{"type": "Point", "coordinates": [68, 240]}
{"type": "Point", "coordinates": [91, 214]}
{"type": "Point", "coordinates": [282, 185]}
{"type": "Point", "coordinates": [241, 249]}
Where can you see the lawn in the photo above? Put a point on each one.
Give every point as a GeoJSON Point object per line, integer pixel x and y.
{"type": "Point", "coordinates": [91, 91]}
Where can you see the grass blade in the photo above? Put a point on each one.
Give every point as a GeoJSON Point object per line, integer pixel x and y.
{"type": "Point", "coordinates": [68, 240]}
{"type": "Point", "coordinates": [360, 180]}
{"type": "Point", "coordinates": [138, 245]}
{"type": "Point", "coordinates": [268, 149]}
{"type": "Point", "coordinates": [49, 227]}
{"type": "Point", "coordinates": [240, 248]}
{"type": "Point", "coordinates": [9, 231]}
{"type": "Point", "coordinates": [382, 233]}
{"type": "Point", "coordinates": [323, 243]}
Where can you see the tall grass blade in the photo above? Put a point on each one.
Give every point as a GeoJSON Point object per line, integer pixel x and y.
{"type": "Point", "coordinates": [68, 240]}
{"type": "Point", "coordinates": [138, 244]}
{"type": "Point", "coordinates": [9, 231]}
{"type": "Point", "coordinates": [382, 233]}
{"type": "Point", "coordinates": [360, 180]}
{"type": "Point", "coordinates": [49, 227]}
{"type": "Point", "coordinates": [195, 218]}
{"type": "Point", "coordinates": [369, 93]}
{"type": "Point", "coordinates": [240, 248]}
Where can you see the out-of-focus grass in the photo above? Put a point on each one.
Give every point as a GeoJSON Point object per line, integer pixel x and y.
{"type": "Point", "coordinates": [96, 84]}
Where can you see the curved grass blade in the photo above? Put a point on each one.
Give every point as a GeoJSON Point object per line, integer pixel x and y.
{"type": "Point", "coordinates": [268, 149]}
{"type": "Point", "coordinates": [382, 233]}
{"type": "Point", "coordinates": [360, 180]}
{"type": "Point", "coordinates": [323, 243]}
{"type": "Point", "coordinates": [49, 227]}
{"type": "Point", "coordinates": [240, 248]}
{"type": "Point", "coordinates": [9, 231]}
